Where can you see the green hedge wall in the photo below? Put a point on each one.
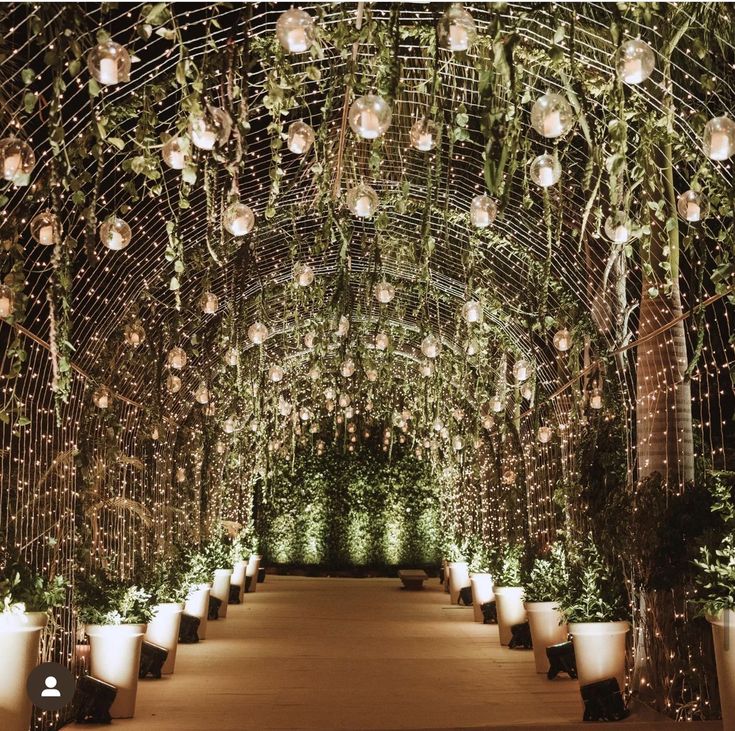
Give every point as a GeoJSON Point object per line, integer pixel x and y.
{"type": "Point", "coordinates": [353, 509]}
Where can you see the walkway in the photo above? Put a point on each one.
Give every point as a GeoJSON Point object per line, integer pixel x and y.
{"type": "Point", "coordinates": [305, 653]}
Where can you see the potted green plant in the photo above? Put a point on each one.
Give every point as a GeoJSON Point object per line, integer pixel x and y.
{"type": "Point", "coordinates": [115, 615]}
{"type": "Point", "coordinates": [545, 585]}
{"type": "Point", "coordinates": [25, 601]}
{"type": "Point", "coordinates": [197, 579]}
{"type": "Point", "coordinates": [595, 609]}
{"type": "Point", "coordinates": [218, 554]}
{"type": "Point", "coordinates": [509, 592]}
{"type": "Point", "coordinates": [168, 593]}
{"type": "Point", "coordinates": [716, 581]}
{"type": "Point", "coordinates": [481, 578]}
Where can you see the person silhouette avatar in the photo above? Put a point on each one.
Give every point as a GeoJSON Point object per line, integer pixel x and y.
{"type": "Point", "coordinates": [51, 691]}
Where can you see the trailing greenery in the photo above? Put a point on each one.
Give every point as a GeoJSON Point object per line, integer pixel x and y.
{"type": "Point", "coordinates": [101, 599]}
{"type": "Point", "coordinates": [548, 579]}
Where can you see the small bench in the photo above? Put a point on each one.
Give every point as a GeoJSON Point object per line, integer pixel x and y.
{"type": "Point", "coordinates": [413, 579]}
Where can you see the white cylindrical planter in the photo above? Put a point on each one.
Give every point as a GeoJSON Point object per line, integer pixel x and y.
{"type": "Point", "coordinates": [723, 635]}
{"type": "Point", "coordinates": [197, 605]}
{"type": "Point", "coordinates": [482, 593]}
{"type": "Point", "coordinates": [221, 589]}
{"type": "Point", "coordinates": [20, 638]}
{"type": "Point", "coordinates": [238, 576]}
{"type": "Point", "coordinates": [115, 658]}
{"type": "Point", "coordinates": [599, 648]}
{"type": "Point", "coordinates": [459, 577]}
{"type": "Point", "coordinates": [252, 571]}
{"type": "Point", "coordinates": [163, 630]}
{"type": "Point", "coordinates": [445, 575]}
{"type": "Point", "coordinates": [509, 604]}
{"type": "Point", "coordinates": [547, 628]}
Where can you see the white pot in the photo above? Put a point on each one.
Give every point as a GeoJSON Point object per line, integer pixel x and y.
{"type": "Point", "coordinates": [459, 577]}
{"type": "Point", "coordinates": [20, 638]}
{"type": "Point", "coordinates": [114, 657]}
{"type": "Point", "coordinates": [445, 575]}
{"type": "Point", "coordinates": [163, 630]}
{"type": "Point", "coordinates": [547, 628]}
{"type": "Point", "coordinates": [221, 589]}
{"type": "Point", "coordinates": [197, 605]}
{"type": "Point", "coordinates": [252, 571]}
{"type": "Point", "coordinates": [509, 603]}
{"type": "Point", "coordinates": [482, 593]}
{"type": "Point", "coordinates": [723, 634]}
{"type": "Point", "coordinates": [238, 576]}
{"type": "Point", "coordinates": [599, 648]}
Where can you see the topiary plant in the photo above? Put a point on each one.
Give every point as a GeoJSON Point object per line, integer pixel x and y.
{"type": "Point", "coordinates": [549, 577]}
{"type": "Point", "coordinates": [100, 599]}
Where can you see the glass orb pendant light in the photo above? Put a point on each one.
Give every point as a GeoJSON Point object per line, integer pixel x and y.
{"type": "Point", "coordinates": [362, 200]}
{"type": "Point", "coordinates": [456, 29]}
{"type": "Point", "coordinates": [134, 333]}
{"type": "Point", "coordinates": [692, 206]}
{"type": "Point", "coordinates": [430, 346]}
{"type": "Point", "coordinates": [347, 369]}
{"type": "Point", "coordinates": [426, 368]}
{"type": "Point", "coordinates": [115, 234]}
{"type": "Point", "coordinates": [719, 138]}
{"type": "Point", "coordinates": [109, 63]}
{"type": "Point", "coordinates": [46, 228]}
{"type": "Point", "coordinates": [423, 134]}
{"type": "Point", "coordinates": [552, 116]}
{"type": "Point", "coordinates": [635, 62]}
{"type": "Point", "coordinates": [209, 129]}
{"type": "Point", "coordinates": [315, 372]}
{"type": "Point", "coordinates": [309, 339]}
{"type": "Point", "coordinates": [618, 227]}
{"type": "Point", "coordinates": [563, 340]}
{"type": "Point", "coordinates": [202, 393]}
{"type": "Point", "coordinates": [275, 373]}
{"type": "Point", "coordinates": [544, 434]}
{"type": "Point", "coordinates": [596, 398]}
{"type": "Point", "coordinates": [370, 116]}
{"type": "Point", "coordinates": [384, 292]}
{"type": "Point", "coordinates": [232, 357]}
{"type": "Point", "coordinates": [257, 333]}
{"type": "Point", "coordinates": [545, 170]}
{"type": "Point", "coordinates": [300, 137]}
{"type": "Point", "coordinates": [175, 152]}
{"type": "Point", "coordinates": [208, 303]}
{"type": "Point", "coordinates": [7, 301]}
{"type": "Point", "coordinates": [16, 159]}
{"type": "Point", "coordinates": [483, 211]}
{"type": "Point", "coordinates": [102, 397]}
{"type": "Point", "coordinates": [239, 219]}
{"type": "Point", "coordinates": [472, 311]}
{"type": "Point", "coordinates": [295, 30]}
{"type": "Point", "coordinates": [176, 358]}
{"type": "Point", "coordinates": [382, 341]}
{"type": "Point", "coordinates": [521, 370]}
{"type": "Point", "coordinates": [173, 383]}
{"type": "Point", "coordinates": [303, 275]}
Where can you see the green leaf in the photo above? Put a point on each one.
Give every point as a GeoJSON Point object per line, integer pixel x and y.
{"type": "Point", "coordinates": [27, 75]}
{"type": "Point", "coordinates": [116, 142]}
{"type": "Point", "coordinates": [94, 88]}
{"type": "Point", "coordinates": [29, 101]}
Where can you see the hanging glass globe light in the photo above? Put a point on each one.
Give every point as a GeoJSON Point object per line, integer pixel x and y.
{"type": "Point", "coordinates": [303, 274]}
{"type": "Point", "coordinates": [284, 406]}
{"type": "Point", "coordinates": [437, 425]}
{"type": "Point", "coordinates": [618, 227]}
{"type": "Point", "coordinates": [173, 383]}
{"type": "Point", "coordinates": [176, 358]}
{"type": "Point", "coordinates": [314, 372]}
{"type": "Point", "coordinates": [496, 404]}
{"type": "Point", "coordinates": [362, 200]}
{"type": "Point", "coordinates": [109, 63]}
{"type": "Point", "coordinates": [275, 373]}
{"type": "Point", "coordinates": [239, 219]}
{"type": "Point", "coordinates": [210, 128]}
{"type": "Point", "coordinates": [368, 406]}
{"type": "Point", "coordinates": [220, 448]}
{"type": "Point", "coordinates": [426, 368]}
{"type": "Point", "coordinates": [370, 116]}
{"type": "Point", "coordinates": [329, 393]}
{"type": "Point", "coordinates": [304, 414]}
{"type": "Point", "coordinates": [209, 409]}
{"type": "Point", "coordinates": [229, 425]}
{"type": "Point", "coordinates": [456, 29]}
{"type": "Point", "coordinates": [563, 340]}
{"type": "Point", "coordinates": [46, 229]}
{"type": "Point", "coordinates": [483, 211]}
{"type": "Point", "coordinates": [384, 292]}
{"type": "Point", "coordinates": [596, 398]}
{"type": "Point", "coordinates": [300, 137]}
{"type": "Point", "coordinates": [692, 206]}
{"type": "Point", "coordinates": [371, 374]}
{"type": "Point", "coordinates": [202, 393]}
{"type": "Point", "coordinates": [521, 370]}
{"type": "Point", "coordinates": [457, 443]}
{"type": "Point", "coordinates": [134, 333]}
{"type": "Point", "coordinates": [472, 311]}
{"type": "Point", "coordinates": [344, 400]}
{"type": "Point", "coordinates": [257, 333]}
{"type": "Point", "coordinates": [423, 135]}
{"type": "Point", "coordinates": [488, 423]}
{"type": "Point", "coordinates": [16, 158]}
{"type": "Point", "coordinates": [309, 339]}
{"type": "Point", "coordinates": [719, 138]}
{"type": "Point", "coordinates": [180, 474]}
{"type": "Point", "coordinates": [527, 391]}
{"type": "Point", "coordinates": [430, 346]}
{"type": "Point", "coordinates": [635, 61]}
{"type": "Point", "coordinates": [232, 357]}
{"type": "Point", "coordinates": [7, 301]}
{"type": "Point", "coordinates": [544, 434]}
{"type": "Point", "coordinates": [102, 397]}
{"type": "Point", "coordinates": [115, 234]}
{"type": "Point", "coordinates": [208, 303]}
{"type": "Point", "coordinates": [382, 341]}
{"type": "Point", "coordinates": [347, 368]}
{"type": "Point", "coordinates": [552, 115]}
{"type": "Point", "coordinates": [314, 428]}
{"type": "Point", "coordinates": [545, 170]}
{"type": "Point", "coordinates": [472, 347]}
{"type": "Point", "coordinates": [343, 328]}
{"type": "Point", "coordinates": [295, 30]}
{"type": "Point", "coordinates": [175, 152]}
{"type": "Point", "coordinates": [509, 477]}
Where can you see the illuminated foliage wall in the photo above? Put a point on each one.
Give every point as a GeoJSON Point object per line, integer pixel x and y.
{"type": "Point", "coordinates": [351, 509]}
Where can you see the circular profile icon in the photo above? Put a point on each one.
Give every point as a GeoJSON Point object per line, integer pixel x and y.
{"type": "Point", "coordinates": [51, 686]}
